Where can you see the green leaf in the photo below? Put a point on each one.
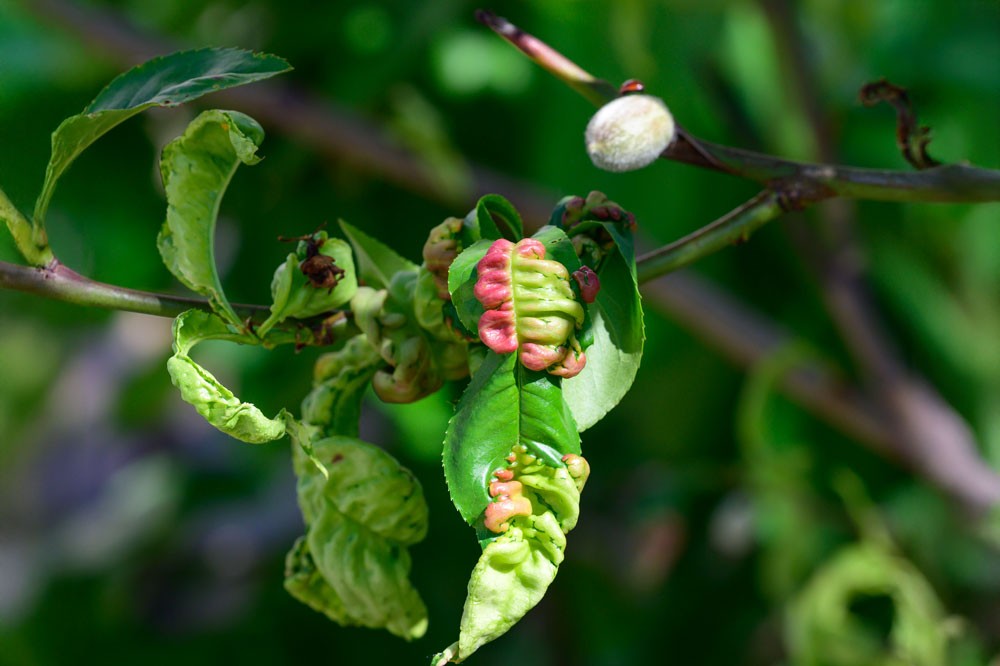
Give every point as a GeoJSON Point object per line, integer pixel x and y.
{"type": "Point", "coordinates": [354, 565]}
{"type": "Point", "coordinates": [340, 380]}
{"type": "Point", "coordinates": [377, 263]}
{"type": "Point", "coordinates": [165, 81]}
{"type": "Point", "coordinates": [196, 169]}
{"type": "Point", "coordinates": [497, 218]}
{"type": "Point", "coordinates": [419, 359]}
{"type": "Point", "coordinates": [509, 579]}
{"type": "Point", "coordinates": [194, 326]}
{"type": "Point", "coordinates": [822, 630]}
{"type": "Point", "coordinates": [504, 405]}
{"type": "Point", "coordinates": [614, 357]}
{"type": "Point", "coordinates": [205, 393]}
{"type": "Point", "coordinates": [462, 278]}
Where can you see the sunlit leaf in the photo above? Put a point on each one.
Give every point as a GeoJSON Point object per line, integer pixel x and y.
{"type": "Point", "coordinates": [205, 393]}
{"type": "Point", "coordinates": [614, 357]}
{"type": "Point", "coordinates": [196, 169]}
{"type": "Point", "coordinates": [165, 81]}
{"type": "Point", "coordinates": [504, 405]}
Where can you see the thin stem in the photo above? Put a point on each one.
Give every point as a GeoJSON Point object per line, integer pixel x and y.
{"type": "Point", "coordinates": [33, 246]}
{"type": "Point", "coordinates": [732, 228]}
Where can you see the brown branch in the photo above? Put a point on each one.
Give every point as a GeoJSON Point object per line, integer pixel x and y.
{"type": "Point", "coordinates": [60, 283]}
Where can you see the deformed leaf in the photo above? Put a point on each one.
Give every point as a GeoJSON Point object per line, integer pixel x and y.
{"type": "Point", "coordinates": [536, 504]}
{"type": "Point", "coordinates": [419, 359]}
{"type": "Point", "coordinates": [317, 278]}
{"type": "Point", "coordinates": [462, 278]}
{"type": "Point", "coordinates": [529, 307]}
{"type": "Point", "coordinates": [354, 564]}
{"type": "Point", "coordinates": [505, 405]}
{"type": "Point", "coordinates": [495, 217]}
{"type": "Point", "coordinates": [509, 579]}
{"type": "Point", "coordinates": [205, 393]}
{"type": "Point", "coordinates": [164, 81]}
{"type": "Point", "coordinates": [821, 630]}
{"type": "Point", "coordinates": [196, 169]}
{"type": "Point", "coordinates": [340, 379]}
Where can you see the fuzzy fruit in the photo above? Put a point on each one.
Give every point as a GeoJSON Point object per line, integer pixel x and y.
{"type": "Point", "coordinates": [629, 133]}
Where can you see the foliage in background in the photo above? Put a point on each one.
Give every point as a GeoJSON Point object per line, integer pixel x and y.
{"type": "Point", "coordinates": [154, 540]}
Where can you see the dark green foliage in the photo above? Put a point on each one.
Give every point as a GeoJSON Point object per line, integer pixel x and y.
{"type": "Point", "coordinates": [711, 512]}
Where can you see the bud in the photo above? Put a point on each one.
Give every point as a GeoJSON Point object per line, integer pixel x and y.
{"type": "Point", "coordinates": [629, 133]}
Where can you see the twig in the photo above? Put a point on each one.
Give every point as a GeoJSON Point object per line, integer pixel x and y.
{"type": "Point", "coordinates": [58, 282]}
{"type": "Point", "coordinates": [911, 138]}
{"type": "Point", "coordinates": [953, 183]}
{"type": "Point", "coordinates": [730, 229]}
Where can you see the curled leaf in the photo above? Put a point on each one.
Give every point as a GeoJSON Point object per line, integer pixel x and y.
{"type": "Point", "coordinates": [164, 81]}
{"type": "Point", "coordinates": [196, 169]}
{"type": "Point", "coordinates": [534, 506]}
{"type": "Point", "coordinates": [821, 629]}
{"type": "Point", "coordinates": [602, 235]}
{"type": "Point", "coordinates": [199, 388]}
{"type": "Point", "coordinates": [529, 306]}
{"type": "Point", "coordinates": [353, 564]}
{"type": "Point", "coordinates": [442, 246]}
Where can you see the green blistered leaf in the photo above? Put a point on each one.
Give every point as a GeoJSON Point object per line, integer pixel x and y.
{"type": "Point", "coordinates": [462, 278]}
{"type": "Point", "coordinates": [504, 405]}
{"type": "Point", "coordinates": [614, 357]}
{"type": "Point", "coordinates": [377, 263]}
{"type": "Point", "coordinates": [510, 579]}
{"type": "Point", "coordinates": [360, 517]}
{"type": "Point", "coordinates": [535, 504]}
{"type": "Point", "coordinates": [202, 390]}
{"type": "Point", "coordinates": [196, 169]}
{"type": "Point", "coordinates": [327, 287]}
{"type": "Point", "coordinates": [165, 81]}
{"type": "Point", "coordinates": [340, 379]}
{"type": "Point", "coordinates": [558, 247]}
{"type": "Point", "coordinates": [420, 358]}
{"type": "Point", "coordinates": [822, 630]}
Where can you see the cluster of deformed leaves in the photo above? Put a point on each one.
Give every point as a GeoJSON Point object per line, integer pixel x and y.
{"type": "Point", "coordinates": [547, 329]}
{"type": "Point", "coordinates": [511, 453]}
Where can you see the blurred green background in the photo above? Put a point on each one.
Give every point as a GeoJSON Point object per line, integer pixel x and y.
{"type": "Point", "coordinates": [722, 523]}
